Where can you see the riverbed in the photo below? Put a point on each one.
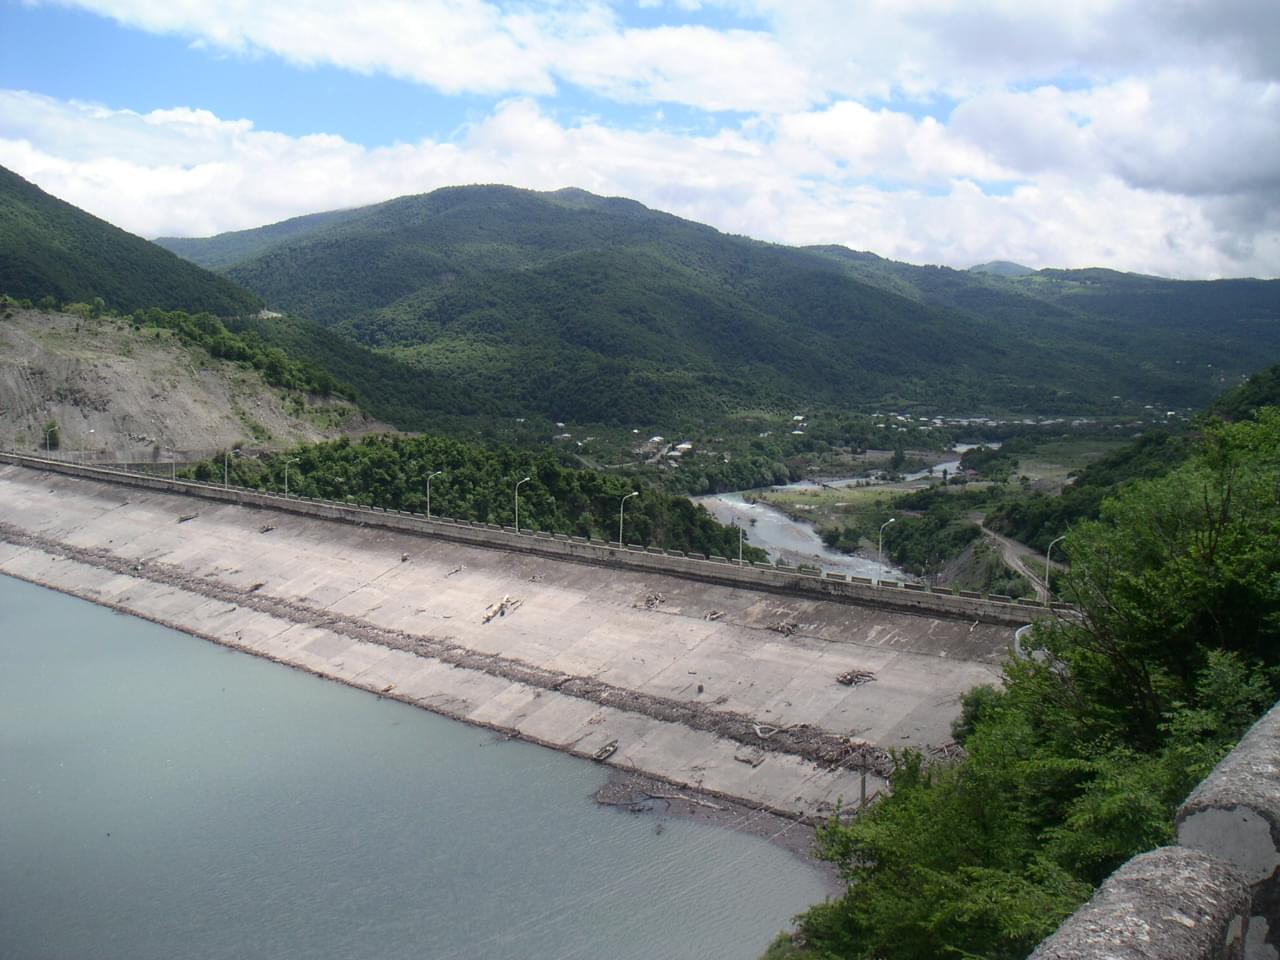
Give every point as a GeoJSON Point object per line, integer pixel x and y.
{"type": "Point", "coordinates": [161, 797]}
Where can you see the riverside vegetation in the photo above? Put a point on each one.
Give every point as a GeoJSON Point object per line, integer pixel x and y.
{"type": "Point", "coordinates": [1080, 759]}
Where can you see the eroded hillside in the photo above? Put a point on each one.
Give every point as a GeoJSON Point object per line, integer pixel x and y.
{"type": "Point", "coordinates": [120, 393]}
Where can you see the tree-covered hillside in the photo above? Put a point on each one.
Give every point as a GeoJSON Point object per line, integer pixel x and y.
{"type": "Point", "coordinates": [476, 483]}
{"type": "Point", "coordinates": [571, 305]}
{"type": "Point", "coordinates": [49, 248]}
{"type": "Point", "coordinates": [1082, 757]}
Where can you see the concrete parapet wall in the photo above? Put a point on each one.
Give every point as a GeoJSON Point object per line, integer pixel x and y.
{"type": "Point", "coordinates": [1234, 814]}
{"type": "Point", "coordinates": [794, 581]}
{"type": "Point", "coordinates": [1169, 904]}
{"type": "Point", "coordinates": [1215, 896]}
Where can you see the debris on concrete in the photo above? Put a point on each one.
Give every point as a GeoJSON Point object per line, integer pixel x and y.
{"type": "Point", "coordinates": [404, 558]}
{"type": "Point", "coordinates": [500, 609]}
{"type": "Point", "coordinates": [458, 569]}
{"type": "Point", "coordinates": [266, 528]}
{"type": "Point", "coordinates": [855, 678]}
{"type": "Point", "coordinates": [651, 601]}
{"type": "Point", "coordinates": [714, 615]}
{"type": "Point", "coordinates": [787, 627]}
{"type": "Point", "coordinates": [752, 756]}
{"type": "Point", "coordinates": [187, 516]}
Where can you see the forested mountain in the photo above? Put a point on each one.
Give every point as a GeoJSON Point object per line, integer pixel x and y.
{"type": "Point", "coordinates": [49, 248]}
{"type": "Point", "coordinates": [598, 309]}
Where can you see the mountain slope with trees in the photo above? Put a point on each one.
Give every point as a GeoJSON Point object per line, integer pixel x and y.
{"type": "Point", "coordinates": [577, 306]}
{"type": "Point", "coordinates": [51, 249]}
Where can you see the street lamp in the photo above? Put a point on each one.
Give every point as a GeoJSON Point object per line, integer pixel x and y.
{"type": "Point", "coordinates": [288, 460]}
{"type": "Point", "coordinates": [739, 526]}
{"type": "Point", "coordinates": [1047, 591]}
{"type": "Point", "coordinates": [623, 503]}
{"type": "Point", "coordinates": [525, 480]}
{"type": "Point", "coordinates": [429, 476]}
{"type": "Point", "coordinates": [48, 444]}
{"type": "Point", "coordinates": [880, 549]}
{"type": "Point", "coordinates": [226, 469]}
{"type": "Point", "coordinates": [84, 448]}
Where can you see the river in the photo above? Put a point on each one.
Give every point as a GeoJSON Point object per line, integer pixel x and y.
{"type": "Point", "coordinates": [162, 797]}
{"type": "Point", "coordinates": [796, 541]}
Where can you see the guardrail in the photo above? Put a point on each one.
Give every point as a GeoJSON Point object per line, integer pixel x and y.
{"type": "Point", "coordinates": [1214, 896]}
{"type": "Point", "coordinates": [802, 580]}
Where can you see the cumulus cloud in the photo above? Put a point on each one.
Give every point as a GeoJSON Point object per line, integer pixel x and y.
{"type": "Point", "coordinates": [1113, 132]}
{"type": "Point", "coordinates": [811, 176]}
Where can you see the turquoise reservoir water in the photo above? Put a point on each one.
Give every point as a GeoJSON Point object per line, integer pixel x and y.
{"type": "Point", "coordinates": [162, 797]}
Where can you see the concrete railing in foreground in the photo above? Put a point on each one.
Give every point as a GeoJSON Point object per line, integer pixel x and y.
{"type": "Point", "coordinates": [1215, 896]}
{"type": "Point", "coordinates": [803, 581]}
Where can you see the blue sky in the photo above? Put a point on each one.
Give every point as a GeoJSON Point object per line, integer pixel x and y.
{"type": "Point", "coordinates": [1097, 133]}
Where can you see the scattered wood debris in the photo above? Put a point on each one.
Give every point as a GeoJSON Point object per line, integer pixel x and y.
{"type": "Point", "coordinates": [266, 528]}
{"type": "Point", "coordinates": [536, 578]}
{"type": "Point", "coordinates": [714, 615]}
{"type": "Point", "coordinates": [187, 516]}
{"type": "Point", "coordinates": [855, 678]}
{"type": "Point", "coordinates": [787, 627]}
{"type": "Point", "coordinates": [256, 587]}
{"type": "Point", "coordinates": [500, 609]}
{"type": "Point", "coordinates": [458, 569]}
{"type": "Point", "coordinates": [651, 601]}
{"type": "Point", "coordinates": [404, 558]}
{"type": "Point", "coordinates": [946, 751]}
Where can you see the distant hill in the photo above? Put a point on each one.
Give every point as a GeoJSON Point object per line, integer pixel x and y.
{"type": "Point", "coordinates": [1002, 268]}
{"type": "Point", "coordinates": [597, 309]}
{"type": "Point", "coordinates": [51, 248]}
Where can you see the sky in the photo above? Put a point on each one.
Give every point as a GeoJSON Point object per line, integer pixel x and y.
{"type": "Point", "coordinates": [1140, 135]}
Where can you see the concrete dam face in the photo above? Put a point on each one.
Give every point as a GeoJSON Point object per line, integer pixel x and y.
{"type": "Point", "coordinates": [785, 700]}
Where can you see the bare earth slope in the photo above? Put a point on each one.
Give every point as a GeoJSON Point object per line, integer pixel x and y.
{"type": "Point", "coordinates": [120, 394]}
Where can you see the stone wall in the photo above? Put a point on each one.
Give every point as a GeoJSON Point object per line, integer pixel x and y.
{"type": "Point", "coordinates": [909, 598]}
{"type": "Point", "coordinates": [1214, 896]}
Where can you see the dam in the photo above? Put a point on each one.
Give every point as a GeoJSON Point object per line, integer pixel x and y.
{"type": "Point", "coordinates": [720, 680]}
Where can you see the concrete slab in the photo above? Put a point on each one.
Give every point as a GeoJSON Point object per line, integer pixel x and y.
{"type": "Point", "coordinates": [578, 619]}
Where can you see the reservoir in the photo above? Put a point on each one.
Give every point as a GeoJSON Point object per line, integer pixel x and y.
{"type": "Point", "coordinates": [161, 796]}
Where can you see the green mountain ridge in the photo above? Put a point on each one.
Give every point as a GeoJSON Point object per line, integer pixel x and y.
{"type": "Point", "coordinates": [596, 309]}
{"type": "Point", "coordinates": [49, 248]}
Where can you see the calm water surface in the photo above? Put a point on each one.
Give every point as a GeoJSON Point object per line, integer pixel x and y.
{"type": "Point", "coordinates": [163, 797]}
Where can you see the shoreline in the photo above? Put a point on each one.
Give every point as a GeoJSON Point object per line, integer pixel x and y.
{"type": "Point", "coordinates": [628, 790]}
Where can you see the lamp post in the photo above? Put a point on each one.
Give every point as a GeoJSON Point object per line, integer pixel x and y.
{"type": "Point", "coordinates": [736, 524]}
{"type": "Point", "coordinates": [48, 443]}
{"type": "Point", "coordinates": [623, 503]}
{"type": "Point", "coordinates": [880, 549]}
{"type": "Point", "coordinates": [1047, 592]}
{"type": "Point", "coordinates": [226, 469]}
{"type": "Point", "coordinates": [429, 476]}
{"type": "Point", "coordinates": [173, 463]}
{"type": "Point", "coordinates": [287, 461]}
{"type": "Point", "coordinates": [84, 447]}
{"type": "Point", "coordinates": [525, 480]}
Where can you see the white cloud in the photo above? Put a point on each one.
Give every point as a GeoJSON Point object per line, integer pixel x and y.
{"type": "Point", "coordinates": [806, 177]}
